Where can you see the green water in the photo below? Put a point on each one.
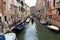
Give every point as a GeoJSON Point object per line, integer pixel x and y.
{"type": "Point", "coordinates": [36, 31]}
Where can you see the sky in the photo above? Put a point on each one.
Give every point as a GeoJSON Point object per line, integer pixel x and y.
{"type": "Point", "coordinates": [30, 2]}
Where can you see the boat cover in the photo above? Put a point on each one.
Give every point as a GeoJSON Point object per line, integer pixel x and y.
{"type": "Point", "coordinates": [10, 36]}
{"type": "Point", "coordinates": [2, 37]}
{"type": "Point", "coordinates": [20, 26]}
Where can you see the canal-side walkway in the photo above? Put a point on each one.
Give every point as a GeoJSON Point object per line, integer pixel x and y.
{"type": "Point", "coordinates": [36, 31]}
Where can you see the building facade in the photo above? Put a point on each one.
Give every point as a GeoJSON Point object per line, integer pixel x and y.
{"type": "Point", "coordinates": [1, 11]}
{"type": "Point", "coordinates": [28, 10]}
{"type": "Point", "coordinates": [49, 10]}
{"type": "Point", "coordinates": [33, 9]}
{"type": "Point", "coordinates": [53, 12]}
{"type": "Point", "coordinates": [41, 9]}
{"type": "Point", "coordinates": [9, 9]}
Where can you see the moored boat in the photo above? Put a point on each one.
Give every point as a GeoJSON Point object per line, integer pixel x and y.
{"type": "Point", "coordinates": [43, 22]}
{"type": "Point", "coordinates": [8, 36]}
{"type": "Point", "coordinates": [20, 26]}
{"type": "Point", "coordinates": [53, 27]}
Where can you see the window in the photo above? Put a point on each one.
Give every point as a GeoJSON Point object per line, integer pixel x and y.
{"type": "Point", "coordinates": [19, 8]}
{"type": "Point", "coordinates": [59, 10]}
{"type": "Point", "coordinates": [22, 9]}
{"type": "Point", "coordinates": [11, 7]}
{"type": "Point", "coordinates": [58, 2]}
{"type": "Point", "coordinates": [39, 10]}
{"type": "Point", "coordinates": [53, 2]}
{"type": "Point", "coordinates": [48, 4]}
{"type": "Point", "coordinates": [18, 0]}
{"type": "Point", "coordinates": [5, 18]}
{"type": "Point", "coordinates": [50, 16]}
{"type": "Point", "coordinates": [22, 3]}
{"type": "Point", "coordinates": [15, 8]}
{"type": "Point", "coordinates": [4, 6]}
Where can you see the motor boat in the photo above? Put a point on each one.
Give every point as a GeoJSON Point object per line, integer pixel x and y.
{"type": "Point", "coordinates": [53, 27]}
{"type": "Point", "coordinates": [8, 36]}
{"type": "Point", "coordinates": [43, 22]}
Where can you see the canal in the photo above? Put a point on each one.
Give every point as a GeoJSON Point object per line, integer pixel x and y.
{"type": "Point", "coordinates": [36, 31]}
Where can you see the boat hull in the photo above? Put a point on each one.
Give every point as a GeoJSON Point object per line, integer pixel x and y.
{"type": "Point", "coordinates": [54, 28]}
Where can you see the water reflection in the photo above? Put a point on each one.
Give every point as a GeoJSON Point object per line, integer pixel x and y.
{"type": "Point", "coordinates": [31, 32]}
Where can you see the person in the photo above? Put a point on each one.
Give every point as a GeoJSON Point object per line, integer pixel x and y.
{"type": "Point", "coordinates": [9, 23]}
{"type": "Point", "coordinates": [32, 20]}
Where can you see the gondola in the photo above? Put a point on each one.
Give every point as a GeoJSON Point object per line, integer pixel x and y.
{"type": "Point", "coordinates": [20, 26]}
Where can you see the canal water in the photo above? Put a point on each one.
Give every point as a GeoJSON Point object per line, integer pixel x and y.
{"type": "Point", "coordinates": [36, 31]}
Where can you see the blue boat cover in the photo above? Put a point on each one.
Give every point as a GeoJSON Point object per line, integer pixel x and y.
{"type": "Point", "coordinates": [20, 26]}
{"type": "Point", "coordinates": [2, 37]}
